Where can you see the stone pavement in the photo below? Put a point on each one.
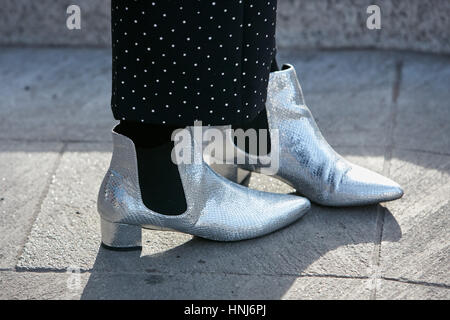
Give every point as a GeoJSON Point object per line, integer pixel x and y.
{"type": "Point", "coordinates": [389, 111]}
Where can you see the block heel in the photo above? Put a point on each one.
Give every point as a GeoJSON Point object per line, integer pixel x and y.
{"type": "Point", "coordinates": [118, 236]}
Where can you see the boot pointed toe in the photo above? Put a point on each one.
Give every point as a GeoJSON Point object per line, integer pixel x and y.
{"type": "Point", "coordinates": [306, 160]}
{"type": "Point", "coordinates": [361, 186]}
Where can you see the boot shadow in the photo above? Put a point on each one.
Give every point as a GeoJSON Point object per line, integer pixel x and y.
{"type": "Point", "coordinates": [264, 268]}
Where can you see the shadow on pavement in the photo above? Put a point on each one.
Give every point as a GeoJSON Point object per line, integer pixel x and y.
{"type": "Point", "coordinates": [263, 268]}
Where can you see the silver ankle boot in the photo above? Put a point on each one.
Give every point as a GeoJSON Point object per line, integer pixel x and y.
{"type": "Point", "coordinates": [217, 208]}
{"type": "Point", "coordinates": [306, 161]}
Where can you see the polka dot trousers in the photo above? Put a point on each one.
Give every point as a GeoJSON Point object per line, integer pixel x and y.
{"type": "Point", "coordinates": [178, 61]}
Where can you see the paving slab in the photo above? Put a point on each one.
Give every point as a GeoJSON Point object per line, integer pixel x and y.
{"type": "Point", "coordinates": [204, 286]}
{"type": "Point", "coordinates": [349, 93]}
{"type": "Point", "coordinates": [341, 71]}
{"type": "Point", "coordinates": [55, 94]}
{"type": "Point", "coordinates": [39, 286]}
{"type": "Point", "coordinates": [422, 252]}
{"type": "Point", "coordinates": [395, 290]}
{"type": "Point", "coordinates": [343, 117]}
{"type": "Point", "coordinates": [66, 234]}
{"type": "Point", "coordinates": [221, 286]}
{"type": "Point", "coordinates": [423, 115]}
{"type": "Point", "coordinates": [66, 231]}
{"type": "Point", "coordinates": [25, 172]}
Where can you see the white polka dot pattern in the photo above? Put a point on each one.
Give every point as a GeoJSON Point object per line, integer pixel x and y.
{"type": "Point", "coordinates": [177, 61]}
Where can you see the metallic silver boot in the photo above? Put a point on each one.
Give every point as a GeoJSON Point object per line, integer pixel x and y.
{"type": "Point", "coordinates": [217, 208]}
{"type": "Point", "coordinates": [306, 160]}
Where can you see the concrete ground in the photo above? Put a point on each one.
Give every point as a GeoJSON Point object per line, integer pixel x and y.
{"type": "Point", "coordinates": [389, 111]}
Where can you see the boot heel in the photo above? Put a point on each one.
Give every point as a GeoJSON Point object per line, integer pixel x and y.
{"type": "Point", "coordinates": [118, 236]}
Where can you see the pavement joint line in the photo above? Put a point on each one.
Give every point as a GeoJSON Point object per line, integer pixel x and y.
{"type": "Point", "coordinates": [283, 49]}
{"type": "Point", "coordinates": [83, 271]}
{"type": "Point", "coordinates": [52, 141]}
{"type": "Point", "coordinates": [50, 270]}
{"type": "Point", "coordinates": [376, 275]}
{"type": "Point", "coordinates": [361, 89]}
{"type": "Point", "coordinates": [49, 47]}
{"type": "Point", "coordinates": [91, 271]}
{"type": "Point", "coordinates": [109, 141]}
{"type": "Point", "coordinates": [422, 151]}
{"type": "Point", "coordinates": [331, 276]}
{"type": "Point", "coordinates": [375, 269]}
{"type": "Point", "coordinates": [415, 282]}
{"type": "Point", "coordinates": [41, 198]}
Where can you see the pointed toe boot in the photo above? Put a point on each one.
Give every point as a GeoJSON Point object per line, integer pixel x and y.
{"type": "Point", "coordinates": [217, 208]}
{"type": "Point", "coordinates": [306, 161]}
